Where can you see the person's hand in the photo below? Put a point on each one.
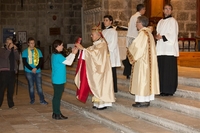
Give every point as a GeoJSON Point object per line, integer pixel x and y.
{"type": "Point", "coordinates": [158, 37]}
{"type": "Point", "coordinates": [34, 70]}
{"type": "Point", "coordinates": [10, 45]}
{"type": "Point", "coordinates": [74, 50]}
{"type": "Point", "coordinates": [15, 47]}
{"type": "Point", "coordinates": [79, 46]}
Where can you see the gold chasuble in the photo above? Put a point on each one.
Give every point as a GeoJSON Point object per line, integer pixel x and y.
{"type": "Point", "coordinates": [142, 55]}
{"type": "Point", "coordinates": [98, 72]}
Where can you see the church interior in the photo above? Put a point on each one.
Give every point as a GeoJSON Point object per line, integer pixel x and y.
{"type": "Point", "coordinates": [47, 20]}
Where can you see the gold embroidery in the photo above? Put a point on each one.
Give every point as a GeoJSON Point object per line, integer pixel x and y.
{"type": "Point", "coordinates": [130, 57]}
{"type": "Point", "coordinates": [149, 52]}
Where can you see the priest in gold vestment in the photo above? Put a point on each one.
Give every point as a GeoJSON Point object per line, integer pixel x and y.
{"type": "Point", "coordinates": [98, 74]}
{"type": "Point", "coordinates": [144, 82]}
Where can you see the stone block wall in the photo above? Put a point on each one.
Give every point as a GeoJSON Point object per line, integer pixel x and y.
{"type": "Point", "coordinates": [122, 10]}
{"type": "Point", "coordinates": [94, 10]}
{"type": "Point", "coordinates": [91, 16]}
{"type": "Point", "coordinates": [36, 17]}
{"type": "Point", "coordinates": [185, 13]}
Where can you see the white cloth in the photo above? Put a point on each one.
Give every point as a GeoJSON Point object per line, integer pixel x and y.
{"type": "Point", "coordinates": [69, 59]}
{"type": "Point", "coordinates": [169, 28]}
{"type": "Point", "coordinates": [129, 41]}
{"type": "Point", "coordinates": [132, 29]}
{"type": "Point", "coordinates": [111, 38]}
{"type": "Point", "coordinates": [101, 105]}
{"type": "Point", "coordinates": [144, 98]}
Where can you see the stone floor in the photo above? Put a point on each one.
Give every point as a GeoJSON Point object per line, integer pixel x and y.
{"type": "Point", "coordinates": [36, 118]}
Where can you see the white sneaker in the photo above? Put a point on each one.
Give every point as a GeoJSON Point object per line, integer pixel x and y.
{"type": "Point", "coordinates": [13, 107]}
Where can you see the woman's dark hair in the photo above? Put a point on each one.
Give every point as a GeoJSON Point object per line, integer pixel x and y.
{"type": "Point", "coordinates": [109, 17]}
{"type": "Point", "coordinates": [143, 20]}
{"type": "Point", "coordinates": [55, 44]}
{"type": "Point", "coordinates": [140, 7]}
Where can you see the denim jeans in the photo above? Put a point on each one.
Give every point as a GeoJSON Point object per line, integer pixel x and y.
{"type": "Point", "coordinates": [37, 78]}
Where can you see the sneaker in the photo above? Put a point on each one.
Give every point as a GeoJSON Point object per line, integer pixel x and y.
{"type": "Point", "coordinates": [13, 107]}
{"type": "Point", "coordinates": [44, 102]}
{"type": "Point", "coordinates": [32, 101]}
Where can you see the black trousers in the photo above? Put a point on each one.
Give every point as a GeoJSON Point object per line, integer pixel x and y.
{"type": "Point", "coordinates": [7, 81]}
{"type": "Point", "coordinates": [168, 74]}
{"type": "Point", "coordinates": [127, 67]}
{"type": "Point", "coordinates": [114, 74]}
{"type": "Point", "coordinates": [58, 91]}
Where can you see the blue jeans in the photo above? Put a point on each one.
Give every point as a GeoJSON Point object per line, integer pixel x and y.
{"type": "Point", "coordinates": [37, 78]}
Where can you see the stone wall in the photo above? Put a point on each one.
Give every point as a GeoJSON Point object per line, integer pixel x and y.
{"type": "Point", "coordinates": [94, 10]}
{"type": "Point", "coordinates": [36, 17]}
{"type": "Point", "coordinates": [185, 13]}
{"type": "Point", "coordinates": [91, 15]}
{"type": "Point", "coordinates": [121, 10]}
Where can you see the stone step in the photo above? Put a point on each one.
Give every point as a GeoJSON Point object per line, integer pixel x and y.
{"type": "Point", "coordinates": [176, 103]}
{"type": "Point", "coordinates": [192, 78]}
{"type": "Point", "coordinates": [123, 85]}
{"type": "Point", "coordinates": [168, 123]}
{"type": "Point", "coordinates": [122, 123]}
{"type": "Point", "coordinates": [124, 105]}
{"type": "Point", "coordinates": [186, 75]}
{"type": "Point", "coordinates": [165, 117]}
{"type": "Point", "coordinates": [190, 106]}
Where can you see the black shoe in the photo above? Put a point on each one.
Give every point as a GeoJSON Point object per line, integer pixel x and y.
{"type": "Point", "coordinates": [53, 115]}
{"type": "Point", "coordinates": [165, 94]}
{"type": "Point", "coordinates": [127, 77]}
{"type": "Point", "coordinates": [137, 104]}
{"type": "Point", "coordinates": [141, 104]}
{"type": "Point", "coordinates": [147, 104]}
{"type": "Point", "coordinates": [94, 107]}
{"type": "Point", "coordinates": [58, 117]}
{"type": "Point", "coordinates": [63, 117]}
{"type": "Point", "coordinates": [102, 108]}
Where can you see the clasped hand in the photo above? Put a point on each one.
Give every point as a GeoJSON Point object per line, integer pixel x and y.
{"type": "Point", "coordinates": [11, 45]}
{"type": "Point", "coordinates": [79, 46]}
{"type": "Point", "coordinates": [158, 37]}
{"type": "Point", "coordinates": [74, 50]}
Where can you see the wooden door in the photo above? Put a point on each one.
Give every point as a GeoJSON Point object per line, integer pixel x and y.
{"type": "Point", "coordinates": [154, 11]}
{"type": "Point", "coordinates": [198, 18]}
